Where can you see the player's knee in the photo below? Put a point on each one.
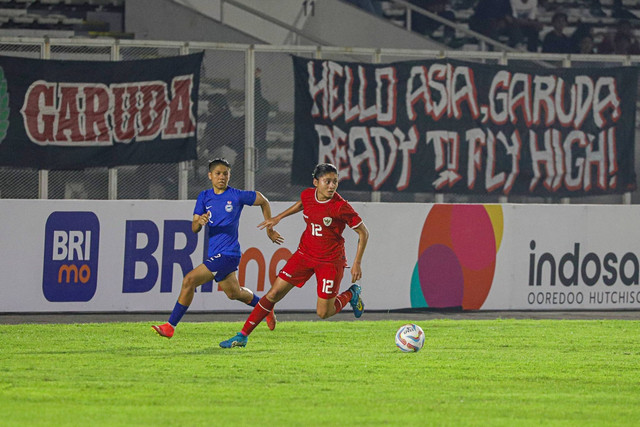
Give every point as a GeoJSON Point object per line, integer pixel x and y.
{"type": "Point", "coordinates": [189, 282]}
{"type": "Point", "coordinates": [274, 295]}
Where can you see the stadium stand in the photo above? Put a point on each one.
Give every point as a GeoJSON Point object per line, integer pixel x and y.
{"type": "Point", "coordinates": [601, 18]}
{"type": "Point", "coordinates": [63, 18]}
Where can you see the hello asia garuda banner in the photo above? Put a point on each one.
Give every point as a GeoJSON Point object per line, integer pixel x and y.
{"type": "Point", "coordinates": [457, 127]}
{"type": "Point", "coordinates": [78, 114]}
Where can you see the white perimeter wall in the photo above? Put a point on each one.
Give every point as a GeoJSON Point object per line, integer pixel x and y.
{"type": "Point", "coordinates": [607, 238]}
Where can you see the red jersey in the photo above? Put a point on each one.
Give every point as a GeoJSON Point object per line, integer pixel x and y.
{"type": "Point", "coordinates": [322, 239]}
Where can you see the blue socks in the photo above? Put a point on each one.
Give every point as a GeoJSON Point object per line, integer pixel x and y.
{"type": "Point", "coordinates": [178, 311]}
{"type": "Point", "coordinates": [254, 301]}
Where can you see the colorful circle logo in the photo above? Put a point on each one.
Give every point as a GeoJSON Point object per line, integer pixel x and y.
{"type": "Point", "coordinates": [457, 256]}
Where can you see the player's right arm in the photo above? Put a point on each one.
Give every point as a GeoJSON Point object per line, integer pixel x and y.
{"type": "Point", "coordinates": [199, 221]}
{"type": "Point", "coordinates": [201, 213]}
{"type": "Point", "coordinates": [270, 223]}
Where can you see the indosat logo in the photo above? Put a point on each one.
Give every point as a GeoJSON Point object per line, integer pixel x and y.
{"type": "Point", "coordinates": [71, 243]}
{"type": "Point", "coordinates": [457, 256]}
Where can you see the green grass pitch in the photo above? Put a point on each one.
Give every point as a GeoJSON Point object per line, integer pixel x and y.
{"type": "Point", "coordinates": [470, 372]}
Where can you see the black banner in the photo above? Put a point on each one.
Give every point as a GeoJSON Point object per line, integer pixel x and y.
{"type": "Point", "coordinates": [78, 114]}
{"type": "Point", "coordinates": [458, 127]}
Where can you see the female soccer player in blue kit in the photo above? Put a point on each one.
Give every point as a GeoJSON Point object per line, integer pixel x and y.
{"type": "Point", "coordinates": [220, 207]}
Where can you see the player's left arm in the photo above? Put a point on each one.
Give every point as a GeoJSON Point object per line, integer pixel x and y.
{"type": "Point", "coordinates": [363, 237]}
{"type": "Point", "coordinates": [264, 204]}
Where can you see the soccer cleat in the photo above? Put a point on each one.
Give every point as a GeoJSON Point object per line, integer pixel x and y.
{"type": "Point", "coordinates": [271, 320]}
{"type": "Point", "coordinates": [165, 330]}
{"type": "Point", "coordinates": [356, 301]}
{"type": "Point", "coordinates": [238, 340]}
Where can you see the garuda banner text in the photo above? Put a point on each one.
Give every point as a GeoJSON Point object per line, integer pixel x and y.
{"type": "Point", "coordinates": [77, 114]}
{"type": "Point", "coordinates": [458, 127]}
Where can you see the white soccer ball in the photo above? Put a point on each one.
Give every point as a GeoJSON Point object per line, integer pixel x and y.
{"type": "Point", "coordinates": [410, 337]}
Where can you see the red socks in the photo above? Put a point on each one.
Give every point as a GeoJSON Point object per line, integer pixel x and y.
{"type": "Point", "coordinates": [342, 300]}
{"type": "Point", "coordinates": [265, 306]}
{"type": "Point", "coordinates": [259, 312]}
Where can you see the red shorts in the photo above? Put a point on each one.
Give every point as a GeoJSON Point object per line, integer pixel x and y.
{"type": "Point", "coordinates": [300, 268]}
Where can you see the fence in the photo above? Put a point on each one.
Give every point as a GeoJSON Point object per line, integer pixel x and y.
{"type": "Point", "coordinates": [246, 115]}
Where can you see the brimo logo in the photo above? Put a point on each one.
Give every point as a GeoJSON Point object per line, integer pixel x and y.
{"type": "Point", "coordinates": [69, 246]}
{"type": "Point", "coordinates": [71, 256]}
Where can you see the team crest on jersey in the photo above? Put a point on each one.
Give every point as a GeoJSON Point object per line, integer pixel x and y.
{"type": "Point", "coordinates": [327, 221]}
{"type": "Point", "coordinates": [229, 206]}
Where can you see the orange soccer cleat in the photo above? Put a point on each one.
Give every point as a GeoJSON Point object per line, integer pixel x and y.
{"type": "Point", "coordinates": [165, 330]}
{"type": "Point", "coordinates": [271, 320]}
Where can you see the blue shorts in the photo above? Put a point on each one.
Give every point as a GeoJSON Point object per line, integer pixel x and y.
{"type": "Point", "coordinates": [222, 265]}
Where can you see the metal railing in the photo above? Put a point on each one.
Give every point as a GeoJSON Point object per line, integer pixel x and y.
{"type": "Point", "coordinates": [484, 41]}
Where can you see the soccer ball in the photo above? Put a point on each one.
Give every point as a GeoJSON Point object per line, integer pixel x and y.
{"type": "Point", "coordinates": [410, 337]}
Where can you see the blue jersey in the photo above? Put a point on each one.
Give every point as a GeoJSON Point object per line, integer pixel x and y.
{"type": "Point", "coordinates": [225, 212]}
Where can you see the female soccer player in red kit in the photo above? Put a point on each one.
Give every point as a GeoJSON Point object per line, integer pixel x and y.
{"type": "Point", "coordinates": [321, 251]}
